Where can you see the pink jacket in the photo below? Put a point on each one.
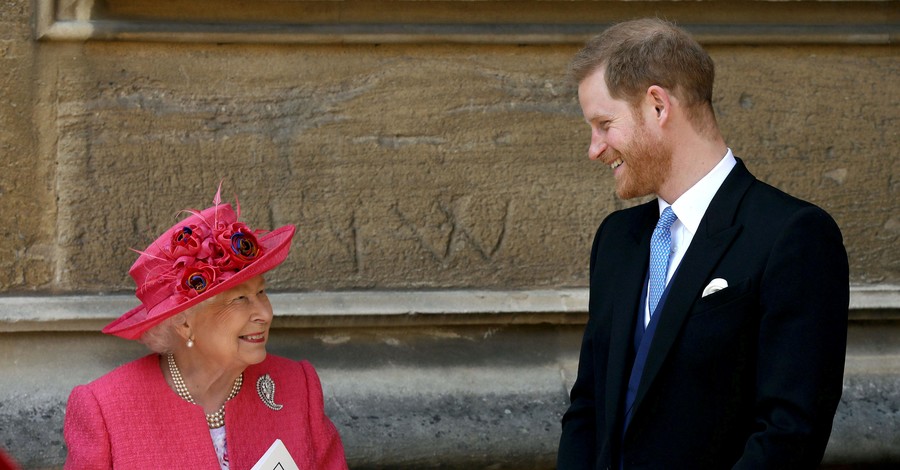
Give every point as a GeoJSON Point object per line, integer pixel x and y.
{"type": "Point", "coordinates": [130, 418]}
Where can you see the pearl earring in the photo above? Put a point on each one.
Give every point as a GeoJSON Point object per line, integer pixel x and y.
{"type": "Point", "coordinates": [190, 342]}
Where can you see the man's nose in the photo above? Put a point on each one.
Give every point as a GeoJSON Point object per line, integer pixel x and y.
{"type": "Point", "coordinates": [597, 147]}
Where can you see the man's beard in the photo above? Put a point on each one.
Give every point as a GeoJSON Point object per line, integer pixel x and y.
{"type": "Point", "coordinates": [648, 162]}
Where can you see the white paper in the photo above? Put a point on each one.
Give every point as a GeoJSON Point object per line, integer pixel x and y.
{"type": "Point", "coordinates": [276, 458]}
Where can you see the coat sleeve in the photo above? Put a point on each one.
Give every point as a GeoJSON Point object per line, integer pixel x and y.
{"type": "Point", "coordinates": [85, 432]}
{"type": "Point", "coordinates": [577, 444]}
{"type": "Point", "coordinates": [329, 451]}
{"type": "Point", "coordinates": [804, 297]}
{"type": "Point", "coordinates": [579, 428]}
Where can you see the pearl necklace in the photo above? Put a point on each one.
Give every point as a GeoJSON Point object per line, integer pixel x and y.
{"type": "Point", "coordinates": [213, 420]}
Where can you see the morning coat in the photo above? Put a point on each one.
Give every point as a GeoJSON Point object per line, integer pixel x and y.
{"type": "Point", "coordinates": [748, 377]}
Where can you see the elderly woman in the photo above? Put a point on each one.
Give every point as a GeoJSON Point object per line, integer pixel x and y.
{"type": "Point", "coordinates": [209, 396]}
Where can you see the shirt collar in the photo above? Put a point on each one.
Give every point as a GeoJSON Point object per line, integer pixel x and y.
{"type": "Point", "coordinates": [691, 206]}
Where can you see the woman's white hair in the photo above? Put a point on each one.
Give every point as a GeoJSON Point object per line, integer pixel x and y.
{"type": "Point", "coordinates": [162, 338]}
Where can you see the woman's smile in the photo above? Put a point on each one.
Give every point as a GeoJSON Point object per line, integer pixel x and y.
{"type": "Point", "coordinates": [254, 338]}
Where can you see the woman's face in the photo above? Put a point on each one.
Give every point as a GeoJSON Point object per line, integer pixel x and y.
{"type": "Point", "coordinates": [232, 328]}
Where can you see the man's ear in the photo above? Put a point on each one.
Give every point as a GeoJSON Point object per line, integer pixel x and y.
{"type": "Point", "coordinates": [661, 101]}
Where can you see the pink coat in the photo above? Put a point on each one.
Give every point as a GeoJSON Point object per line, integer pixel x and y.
{"type": "Point", "coordinates": [130, 418]}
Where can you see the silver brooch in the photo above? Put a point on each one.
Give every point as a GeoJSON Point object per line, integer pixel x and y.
{"type": "Point", "coordinates": [265, 387]}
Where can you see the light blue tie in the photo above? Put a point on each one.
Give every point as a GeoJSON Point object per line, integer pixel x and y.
{"type": "Point", "coordinates": [660, 245]}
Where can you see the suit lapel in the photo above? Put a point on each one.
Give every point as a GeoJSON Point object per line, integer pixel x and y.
{"type": "Point", "coordinates": [632, 260]}
{"type": "Point", "coordinates": [716, 232]}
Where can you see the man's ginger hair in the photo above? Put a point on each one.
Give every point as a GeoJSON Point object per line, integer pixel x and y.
{"type": "Point", "coordinates": [638, 54]}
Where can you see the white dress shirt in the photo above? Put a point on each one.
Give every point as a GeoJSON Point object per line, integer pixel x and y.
{"type": "Point", "coordinates": [690, 208]}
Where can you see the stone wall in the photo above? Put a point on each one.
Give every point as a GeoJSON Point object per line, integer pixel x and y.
{"type": "Point", "coordinates": [436, 149]}
{"type": "Point", "coordinates": [404, 165]}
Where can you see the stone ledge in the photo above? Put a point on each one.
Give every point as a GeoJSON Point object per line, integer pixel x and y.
{"type": "Point", "coordinates": [375, 308]}
{"type": "Point", "coordinates": [454, 34]}
{"type": "Point", "coordinates": [484, 22]}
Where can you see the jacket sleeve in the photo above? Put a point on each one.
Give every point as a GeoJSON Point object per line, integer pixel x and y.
{"type": "Point", "coordinates": [804, 297]}
{"type": "Point", "coordinates": [329, 451]}
{"type": "Point", "coordinates": [579, 428]}
{"type": "Point", "coordinates": [577, 444]}
{"type": "Point", "coordinates": [85, 432]}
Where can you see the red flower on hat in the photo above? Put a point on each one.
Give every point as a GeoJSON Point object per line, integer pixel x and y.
{"type": "Point", "coordinates": [186, 244]}
{"type": "Point", "coordinates": [244, 245]}
{"type": "Point", "coordinates": [196, 279]}
{"type": "Point", "coordinates": [238, 244]}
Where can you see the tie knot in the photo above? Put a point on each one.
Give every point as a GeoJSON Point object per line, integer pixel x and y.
{"type": "Point", "coordinates": [667, 218]}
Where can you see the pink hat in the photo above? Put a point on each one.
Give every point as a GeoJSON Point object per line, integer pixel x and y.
{"type": "Point", "coordinates": [201, 256]}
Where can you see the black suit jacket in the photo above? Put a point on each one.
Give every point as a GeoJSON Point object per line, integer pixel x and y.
{"type": "Point", "coordinates": [748, 377]}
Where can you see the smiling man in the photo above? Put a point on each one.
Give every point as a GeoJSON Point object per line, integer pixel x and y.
{"type": "Point", "coordinates": [718, 311]}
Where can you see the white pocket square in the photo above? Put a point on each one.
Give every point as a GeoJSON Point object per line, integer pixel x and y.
{"type": "Point", "coordinates": [715, 285]}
